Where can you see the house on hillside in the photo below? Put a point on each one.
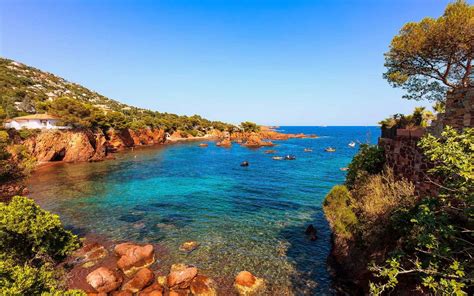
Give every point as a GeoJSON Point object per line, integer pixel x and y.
{"type": "Point", "coordinates": [35, 121]}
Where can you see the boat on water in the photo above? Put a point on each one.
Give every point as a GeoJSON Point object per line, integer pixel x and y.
{"type": "Point", "coordinates": [290, 157]}
{"type": "Point", "coordinates": [203, 145]}
{"type": "Point", "coordinates": [277, 157]}
{"type": "Point", "coordinates": [352, 144]}
{"type": "Point", "coordinates": [344, 169]}
{"type": "Point", "coordinates": [308, 150]}
{"type": "Point", "coordinates": [330, 149]}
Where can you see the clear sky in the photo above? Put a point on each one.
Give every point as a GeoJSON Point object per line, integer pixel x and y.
{"type": "Point", "coordinates": [273, 62]}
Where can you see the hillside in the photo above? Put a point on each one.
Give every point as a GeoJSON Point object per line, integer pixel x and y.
{"type": "Point", "coordinates": [27, 90]}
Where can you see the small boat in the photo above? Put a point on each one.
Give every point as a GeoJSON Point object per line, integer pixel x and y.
{"type": "Point", "coordinates": [352, 144]}
{"type": "Point", "coordinates": [330, 149]}
{"type": "Point", "coordinates": [244, 164]}
{"type": "Point", "coordinates": [344, 169]}
{"type": "Point", "coordinates": [277, 157]}
{"type": "Point", "coordinates": [290, 157]}
{"type": "Point", "coordinates": [203, 145]}
{"type": "Point", "coordinates": [308, 150]}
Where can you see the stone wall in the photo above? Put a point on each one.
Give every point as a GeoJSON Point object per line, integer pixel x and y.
{"type": "Point", "coordinates": [401, 149]}
{"type": "Point", "coordinates": [407, 160]}
{"type": "Point", "coordinates": [459, 109]}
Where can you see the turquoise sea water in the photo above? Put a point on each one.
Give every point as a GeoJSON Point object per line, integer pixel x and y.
{"type": "Point", "coordinates": [246, 218]}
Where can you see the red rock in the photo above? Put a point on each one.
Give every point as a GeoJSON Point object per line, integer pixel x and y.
{"type": "Point", "coordinates": [248, 284]}
{"type": "Point", "coordinates": [189, 246]}
{"type": "Point", "coordinates": [181, 275]}
{"type": "Point", "coordinates": [154, 290]}
{"type": "Point", "coordinates": [203, 286]}
{"type": "Point", "coordinates": [122, 293]}
{"type": "Point", "coordinates": [245, 278]}
{"type": "Point", "coordinates": [224, 143]}
{"type": "Point", "coordinates": [179, 292]}
{"type": "Point", "coordinates": [140, 280]}
{"type": "Point", "coordinates": [134, 257]}
{"type": "Point", "coordinates": [104, 279]}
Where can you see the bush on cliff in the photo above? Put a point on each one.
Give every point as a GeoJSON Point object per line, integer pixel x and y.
{"type": "Point", "coordinates": [32, 242]}
{"type": "Point", "coordinates": [339, 212]}
{"type": "Point", "coordinates": [248, 126]}
{"type": "Point", "coordinates": [435, 249]}
{"type": "Point", "coordinates": [369, 160]}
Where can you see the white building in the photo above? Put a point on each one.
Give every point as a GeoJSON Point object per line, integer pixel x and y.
{"type": "Point", "coordinates": [35, 121]}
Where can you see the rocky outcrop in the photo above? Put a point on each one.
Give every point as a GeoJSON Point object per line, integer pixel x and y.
{"type": "Point", "coordinates": [203, 286]}
{"type": "Point", "coordinates": [121, 139]}
{"type": "Point", "coordinates": [67, 146]}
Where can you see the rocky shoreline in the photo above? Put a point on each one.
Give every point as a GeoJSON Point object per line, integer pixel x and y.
{"type": "Point", "coordinates": [125, 269]}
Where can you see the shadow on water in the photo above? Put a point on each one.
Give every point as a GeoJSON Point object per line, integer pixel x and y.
{"type": "Point", "coordinates": [309, 257]}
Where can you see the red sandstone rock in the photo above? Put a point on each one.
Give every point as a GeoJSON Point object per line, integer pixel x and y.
{"type": "Point", "coordinates": [189, 246]}
{"type": "Point", "coordinates": [224, 143]}
{"type": "Point", "coordinates": [247, 284]}
{"type": "Point", "coordinates": [154, 290]}
{"type": "Point", "coordinates": [203, 286]}
{"type": "Point", "coordinates": [104, 280]}
{"type": "Point", "coordinates": [90, 252]}
{"type": "Point", "coordinates": [245, 278]}
{"type": "Point", "coordinates": [122, 293]}
{"type": "Point", "coordinates": [179, 292]}
{"type": "Point", "coordinates": [181, 275]}
{"type": "Point", "coordinates": [140, 280]}
{"type": "Point", "coordinates": [134, 257]}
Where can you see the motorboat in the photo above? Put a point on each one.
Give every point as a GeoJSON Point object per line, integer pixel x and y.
{"type": "Point", "coordinates": [344, 169]}
{"type": "Point", "coordinates": [330, 149]}
{"type": "Point", "coordinates": [277, 157]}
{"type": "Point", "coordinates": [308, 150]}
{"type": "Point", "coordinates": [290, 157]}
{"type": "Point", "coordinates": [352, 144]}
{"type": "Point", "coordinates": [244, 164]}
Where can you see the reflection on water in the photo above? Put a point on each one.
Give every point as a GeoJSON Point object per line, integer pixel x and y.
{"type": "Point", "coordinates": [246, 218]}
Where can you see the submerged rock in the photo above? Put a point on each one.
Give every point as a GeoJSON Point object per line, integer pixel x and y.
{"type": "Point", "coordinates": [140, 280]}
{"type": "Point", "coordinates": [90, 254]}
{"type": "Point", "coordinates": [104, 280]}
{"type": "Point", "coordinates": [203, 286]}
{"type": "Point", "coordinates": [189, 246]}
{"type": "Point", "coordinates": [311, 232]}
{"type": "Point", "coordinates": [248, 284]}
{"type": "Point", "coordinates": [134, 257]}
{"type": "Point", "coordinates": [181, 275]}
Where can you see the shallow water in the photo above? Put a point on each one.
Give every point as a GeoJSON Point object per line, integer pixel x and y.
{"type": "Point", "coordinates": [246, 218]}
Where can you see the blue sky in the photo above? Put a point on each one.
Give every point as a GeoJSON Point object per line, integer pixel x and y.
{"type": "Point", "coordinates": [273, 62]}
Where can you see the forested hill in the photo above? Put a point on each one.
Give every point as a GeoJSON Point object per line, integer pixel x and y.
{"type": "Point", "coordinates": [26, 90]}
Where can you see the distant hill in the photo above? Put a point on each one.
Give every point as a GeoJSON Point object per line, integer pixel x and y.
{"type": "Point", "coordinates": [27, 90]}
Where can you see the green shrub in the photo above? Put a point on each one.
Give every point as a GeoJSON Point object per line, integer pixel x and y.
{"type": "Point", "coordinates": [369, 160]}
{"type": "Point", "coordinates": [32, 241]}
{"type": "Point", "coordinates": [248, 126]}
{"type": "Point", "coordinates": [338, 210]}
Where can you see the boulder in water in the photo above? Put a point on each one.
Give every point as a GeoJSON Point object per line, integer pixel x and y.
{"type": "Point", "coordinates": [203, 286]}
{"type": "Point", "coordinates": [104, 280]}
{"type": "Point", "coordinates": [133, 257]}
{"type": "Point", "coordinates": [189, 246]}
{"type": "Point", "coordinates": [311, 232]}
{"type": "Point", "coordinates": [140, 280]}
{"type": "Point", "coordinates": [181, 275]}
{"type": "Point", "coordinates": [247, 284]}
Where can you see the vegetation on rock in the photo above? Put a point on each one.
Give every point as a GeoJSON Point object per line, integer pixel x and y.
{"type": "Point", "coordinates": [422, 243]}
{"type": "Point", "coordinates": [369, 160]}
{"type": "Point", "coordinates": [250, 127]}
{"type": "Point", "coordinates": [419, 118]}
{"type": "Point", "coordinates": [32, 242]}
{"type": "Point", "coordinates": [25, 90]}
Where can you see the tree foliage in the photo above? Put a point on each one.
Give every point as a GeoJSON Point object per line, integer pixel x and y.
{"type": "Point", "coordinates": [248, 126]}
{"type": "Point", "coordinates": [430, 57]}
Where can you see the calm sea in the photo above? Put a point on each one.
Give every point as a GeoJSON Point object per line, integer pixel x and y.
{"type": "Point", "coordinates": [246, 218]}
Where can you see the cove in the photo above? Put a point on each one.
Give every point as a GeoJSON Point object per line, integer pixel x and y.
{"type": "Point", "coordinates": [246, 218]}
